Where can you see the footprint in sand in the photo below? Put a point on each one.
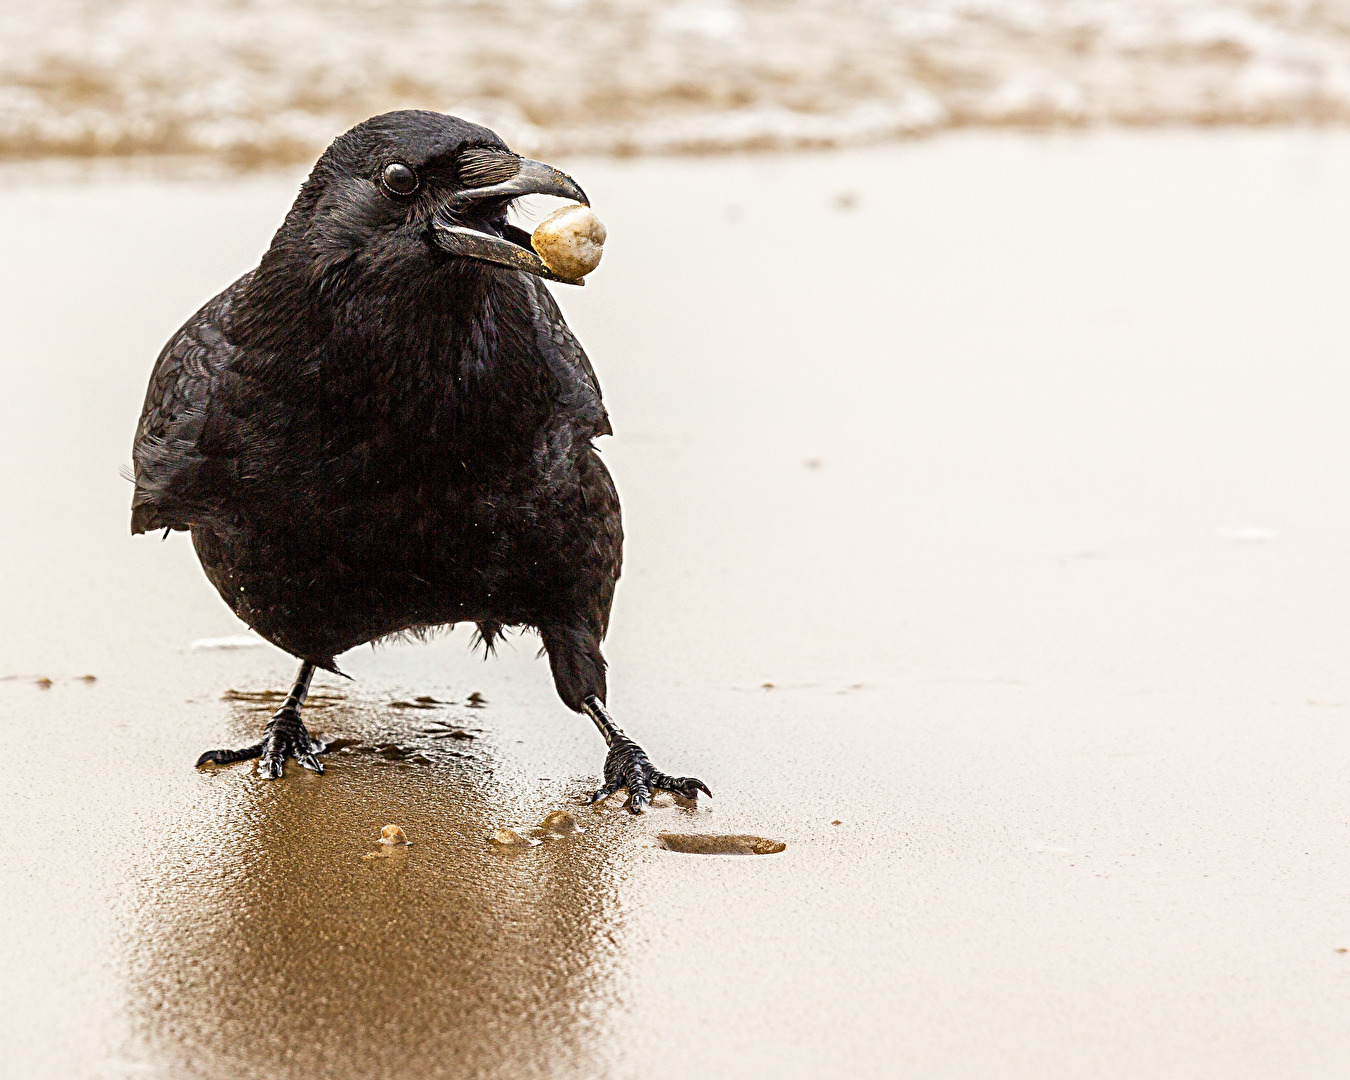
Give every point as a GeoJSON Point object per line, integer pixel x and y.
{"type": "Point", "coordinates": [695, 844]}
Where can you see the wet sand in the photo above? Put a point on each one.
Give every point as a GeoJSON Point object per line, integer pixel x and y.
{"type": "Point", "coordinates": [988, 545]}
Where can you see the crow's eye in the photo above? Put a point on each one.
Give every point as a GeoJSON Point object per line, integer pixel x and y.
{"type": "Point", "coordinates": [399, 178]}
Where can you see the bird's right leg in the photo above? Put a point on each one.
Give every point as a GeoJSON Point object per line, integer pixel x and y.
{"type": "Point", "coordinates": [285, 736]}
{"type": "Point", "coordinates": [579, 675]}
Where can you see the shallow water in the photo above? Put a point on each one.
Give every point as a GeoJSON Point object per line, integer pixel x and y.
{"type": "Point", "coordinates": [923, 580]}
{"type": "Point", "coordinates": [253, 81]}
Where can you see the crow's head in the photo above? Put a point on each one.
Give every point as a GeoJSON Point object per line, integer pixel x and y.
{"type": "Point", "coordinates": [418, 185]}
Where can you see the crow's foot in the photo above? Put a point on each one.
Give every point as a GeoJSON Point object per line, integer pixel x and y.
{"type": "Point", "coordinates": [627, 766]}
{"type": "Point", "coordinates": [285, 736]}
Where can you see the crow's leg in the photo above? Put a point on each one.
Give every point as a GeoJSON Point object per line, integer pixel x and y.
{"type": "Point", "coordinates": [285, 736]}
{"type": "Point", "coordinates": [579, 674]}
{"type": "Point", "coordinates": [627, 766]}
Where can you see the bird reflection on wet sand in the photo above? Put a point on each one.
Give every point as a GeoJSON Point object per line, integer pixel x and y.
{"type": "Point", "coordinates": [269, 945]}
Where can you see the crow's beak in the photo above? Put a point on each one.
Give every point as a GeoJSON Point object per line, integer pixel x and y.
{"type": "Point", "coordinates": [531, 178]}
{"type": "Point", "coordinates": [499, 242]}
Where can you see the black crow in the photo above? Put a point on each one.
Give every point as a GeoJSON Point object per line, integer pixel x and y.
{"type": "Point", "coordinates": [387, 427]}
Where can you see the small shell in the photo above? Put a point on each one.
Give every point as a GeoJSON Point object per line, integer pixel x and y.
{"type": "Point", "coordinates": [560, 822]}
{"type": "Point", "coordinates": [570, 241]}
{"type": "Point", "coordinates": [511, 838]}
{"type": "Point", "coordinates": [392, 834]}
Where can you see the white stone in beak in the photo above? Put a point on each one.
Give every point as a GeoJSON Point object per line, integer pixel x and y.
{"type": "Point", "coordinates": [570, 241]}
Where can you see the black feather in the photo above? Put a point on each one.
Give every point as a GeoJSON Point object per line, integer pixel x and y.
{"type": "Point", "coordinates": [479, 168]}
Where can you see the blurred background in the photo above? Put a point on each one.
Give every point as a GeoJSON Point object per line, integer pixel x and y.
{"type": "Point", "coordinates": [247, 82]}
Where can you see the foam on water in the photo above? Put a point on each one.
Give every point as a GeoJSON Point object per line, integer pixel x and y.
{"type": "Point", "coordinates": [254, 81]}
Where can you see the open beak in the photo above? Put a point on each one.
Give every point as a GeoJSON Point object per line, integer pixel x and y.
{"type": "Point", "coordinates": [497, 241]}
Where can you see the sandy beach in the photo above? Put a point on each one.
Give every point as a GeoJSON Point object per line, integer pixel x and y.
{"type": "Point", "coordinates": [988, 544]}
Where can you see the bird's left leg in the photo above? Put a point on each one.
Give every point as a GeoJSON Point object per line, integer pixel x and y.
{"type": "Point", "coordinates": [579, 675]}
{"type": "Point", "coordinates": [627, 766]}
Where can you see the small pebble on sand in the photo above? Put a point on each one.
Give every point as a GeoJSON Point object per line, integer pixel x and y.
{"type": "Point", "coordinates": [560, 823]}
{"type": "Point", "coordinates": [509, 838]}
{"type": "Point", "coordinates": [570, 241]}
{"type": "Point", "coordinates": [392, 834]}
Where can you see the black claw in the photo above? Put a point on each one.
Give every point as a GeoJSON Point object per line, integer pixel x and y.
{"type": "Point", "coordinates": [688, 787]}
{"type": "Point", "coordinates": [308, 760]}
{"type": "Point", "coordinates": [229, 757]}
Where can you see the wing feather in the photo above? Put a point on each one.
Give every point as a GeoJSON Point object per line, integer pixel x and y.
{"type": "Point", "coordinates": [568, 360]}
{"type": "Point", "coordinates": [169, 454]}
